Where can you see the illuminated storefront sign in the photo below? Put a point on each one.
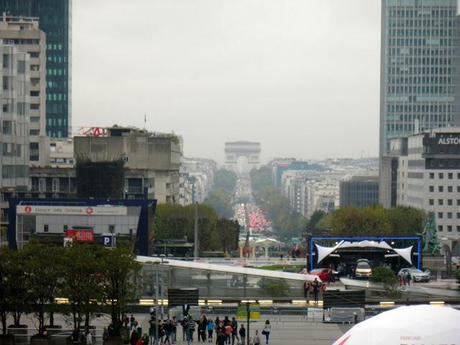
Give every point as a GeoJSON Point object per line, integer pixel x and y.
{"type": "Point", "coordinates": [73, 210]}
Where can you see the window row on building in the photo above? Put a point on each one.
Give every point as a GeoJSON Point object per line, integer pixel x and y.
{"type": "Point", "coordinates": [448, 228]}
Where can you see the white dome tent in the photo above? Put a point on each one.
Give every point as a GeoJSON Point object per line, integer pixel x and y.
{"type": "Point", "coordinates": [421, 324]}
{"type": "Point", "coordinates": [324, 252]}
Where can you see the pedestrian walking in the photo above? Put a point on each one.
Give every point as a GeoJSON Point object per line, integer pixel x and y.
{"type": "Point", "coordinates": [105, 334]}
{"type": "Point", "coordinates": [234, 331]}
{"type": "Point", "coordinates": [89, 338]}
{"type": "Point", "coordinates": [266, 331]}
{"type": "Point", "coordinates": [228, 332]}
{"type": "Point", "coordinates": [220, 333]}
{"type": "Point", "coordinates": [152, 332]}
{"type": "Point", "coordinates": [202, 327]}
{"type": "Point", "coordinates": [161, 332]}
{"type": "Point", "coordinates": [184, 328]}
{"type": "Point", "coordinates": [408, 278]}
{"type": "Point", "coordinates": [256, 339]}
{"type": "Point", "coordinates": [132, 319]}
{"type": "Point", "coordinates": [168, 331]}
{"type": "Point", "coordinates": [190, 329]}
{"type": "Point", "coordinates": [134, 337]}
{"type": "Point", "coordinates": [174, 329]}
{"type": "Point", "coordinates": [315, 286]}
{"type": "Point", "coordinates": [242, 334]}
{"type": "Point", "coordinates": [211, 326]}
{"type": "Point", "coordinates": [306, 289]}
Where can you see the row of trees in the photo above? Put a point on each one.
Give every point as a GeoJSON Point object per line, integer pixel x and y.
{"type": "Point", "coordinates": [88, 275]}
{"type": "Point", "coordinates": [221, 197]}
{"type": "Point", "coordinates": [286, 222]}
{"type": "Point", "coordinates": [374, 220]}
{"type": "Point", "coordinates": [177, 222]}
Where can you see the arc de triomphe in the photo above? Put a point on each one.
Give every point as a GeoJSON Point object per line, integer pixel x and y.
{"type": "Point", "coordinates": [236, 149]}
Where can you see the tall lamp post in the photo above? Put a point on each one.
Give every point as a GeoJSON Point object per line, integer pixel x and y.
{"type": "Point", "coordinates": [157, 302]}
{"type": "Point", "coordinates": [195, 239]}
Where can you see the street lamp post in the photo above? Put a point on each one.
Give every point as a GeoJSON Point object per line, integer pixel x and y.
{"type": "Point", "coordinates": [157, 264]}
{"type": "Point", "coordinates": [157, 297]}
{"type": "Point", "coordinates": [195, 238]}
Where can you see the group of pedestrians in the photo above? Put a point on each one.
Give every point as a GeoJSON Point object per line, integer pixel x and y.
{"type": "Point", "coordinates": [223, 332]}
{"type": "Point", "coordinates": [219, 331]}
{"type": "Point", "coordinates": [315, 287]}
{"type": "Point", "coordinates": [167, 331]}
{"type": "Point", "coordinates": [136, 336]}
{"type": "Point", "coordinates": [404, 278]}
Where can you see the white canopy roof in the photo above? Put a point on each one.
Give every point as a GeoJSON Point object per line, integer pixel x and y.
{"type": "Point", "coordinates": [323, 252]}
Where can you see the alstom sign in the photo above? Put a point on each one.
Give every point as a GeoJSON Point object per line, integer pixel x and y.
{"type": "Point", "coordinates": [449, 141]}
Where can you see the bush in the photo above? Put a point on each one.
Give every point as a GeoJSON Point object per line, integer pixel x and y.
{"type": "Point", "coordinates": [457, 276]}
{"type": "Point", "coordinates": [387, 277]}
{"type": "Point", "coordinates": [272, 288]}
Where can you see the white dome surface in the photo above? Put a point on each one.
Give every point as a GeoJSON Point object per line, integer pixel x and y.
{"type": "Point", "coordinates": [412, 325]}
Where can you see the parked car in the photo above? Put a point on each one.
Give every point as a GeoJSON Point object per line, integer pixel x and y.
{"type": "Point", "coordinates": [363, 269]}
{"type": "Point", "coordinates": [325, 274]}
{"type": "Point", "coordinates": [416, 274]}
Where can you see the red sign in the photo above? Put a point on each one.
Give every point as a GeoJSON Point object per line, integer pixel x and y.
{"type": "Point", "coordinates": [80, 235]}
{"type": "Point", "coordinates": [95, 132]}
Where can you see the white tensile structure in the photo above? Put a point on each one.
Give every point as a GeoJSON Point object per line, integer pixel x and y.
{"type": "Point", "coordinates": [421, 324]}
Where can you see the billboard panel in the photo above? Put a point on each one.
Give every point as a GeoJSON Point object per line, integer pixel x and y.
{"type": "Point", "coordinates": [78, 235]}
{"type": "Point", "coordinates": [73, 210]}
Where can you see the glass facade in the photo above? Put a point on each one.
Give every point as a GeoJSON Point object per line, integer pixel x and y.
{"type": "Point", "coordinates": [213, 284]}
{"type": "Point", "coordinates": [55, 20]}
{"type": "Point", "coordinates": [417, 72]}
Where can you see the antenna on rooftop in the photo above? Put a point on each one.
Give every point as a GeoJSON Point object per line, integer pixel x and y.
{"type": "Point", "coordinates": [145, 121]}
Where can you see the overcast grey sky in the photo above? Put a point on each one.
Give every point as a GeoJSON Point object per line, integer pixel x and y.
{"type": "Point", "coordinates": [300, 76]}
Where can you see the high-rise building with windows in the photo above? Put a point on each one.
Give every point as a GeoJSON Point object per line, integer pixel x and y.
{"type": "Point", "coordinates": [417, 72]}
{"type": "Point", "coordinates": [14, 116]}
{"type": "Point", "coordinates": [55, 20]}
{"type": "Point", "coordinates": [24, 34]}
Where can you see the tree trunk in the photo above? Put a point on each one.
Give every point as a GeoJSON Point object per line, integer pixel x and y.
{"type": "Point", "coordinates": [87, 321]}
{"type": "Point", "coordinates": [17, 318]}
{"type": "Point", "coordinates": [75, 328]}
{"type": "Point", "coordinates": [52, 319]}
{"type": "Point", "coordinates": [3, 316]}
{"type": "Point", "coordinates": [41, 319]}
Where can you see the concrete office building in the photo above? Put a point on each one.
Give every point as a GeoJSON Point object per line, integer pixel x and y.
{"type": "Point", "coordinates": [152, 160]}
{"type": "Point", "coordinates": [14, 137]}
{"type": "Point", "coordinates": [26, 36]}
{"type": "Point", "coordinates": [14, 121]}
{"type": "Point", "coordinates": [417, 73]}
{"type": "Point", "coordinates": [359, 191]}
{"type": "Point", "coordinates": [428, 178]}
{"type": "Point", "coordinates": [55, 20]}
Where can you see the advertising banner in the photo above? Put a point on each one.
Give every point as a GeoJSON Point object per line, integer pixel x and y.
{"type": "Point", "coordinates": [242, 312]}
{"type": "Point", "coordinates": [73, 210]}
{"type": "Point", "coordinates": [80, 235]}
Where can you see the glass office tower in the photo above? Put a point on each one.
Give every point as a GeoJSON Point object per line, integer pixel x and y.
{"type": "Point", "coordinates": [55, 20]}
{"type": "Point", "coordinates": [417, 67]}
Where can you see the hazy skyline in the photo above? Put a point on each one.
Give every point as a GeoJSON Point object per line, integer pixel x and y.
{"type": "Point", "coordinates": [300, 76]}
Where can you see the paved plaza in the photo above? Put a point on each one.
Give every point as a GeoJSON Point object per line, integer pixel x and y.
{"type": "Point", "coordinates": [286, 329]}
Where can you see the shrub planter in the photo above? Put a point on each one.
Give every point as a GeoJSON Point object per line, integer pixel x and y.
{"type": "Point", "coordinates": [50, 330]}
{"type": "Point", "coordinates": [113, 340]}
{"type": "Point", "coordinates": [20, 333]}
{"type": "Point", "coordinates": [63, 338]}
{"type": "Point", "coordinates": [7, 339]}
{"type": "Point", "coordinates": [39, 340]}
